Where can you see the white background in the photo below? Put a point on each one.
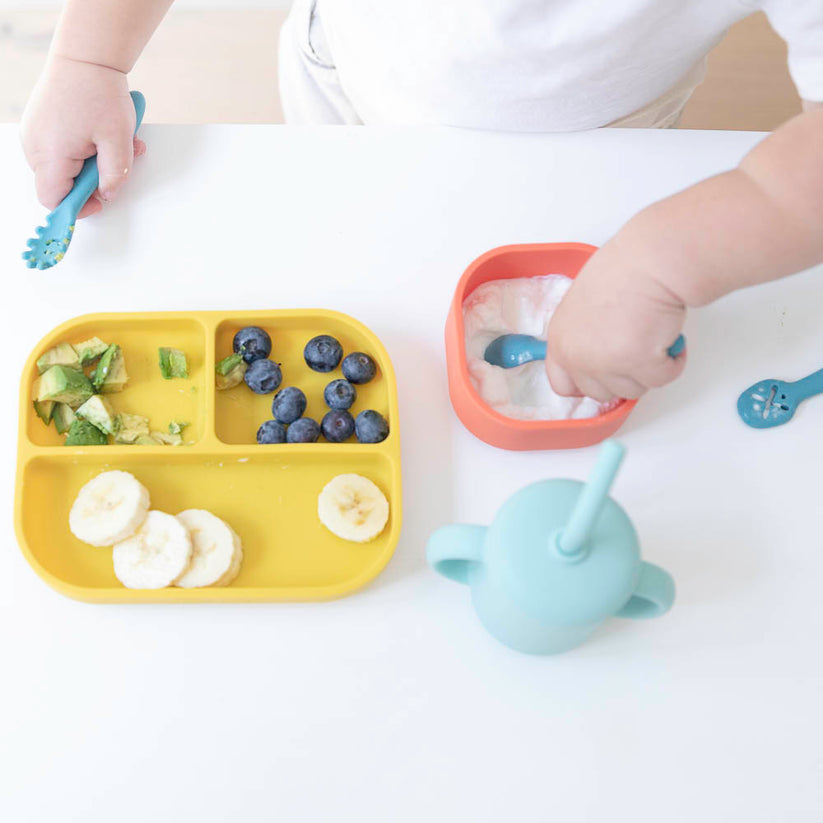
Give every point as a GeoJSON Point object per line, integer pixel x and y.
{"type": "Point", "coordinates": [394, 704]}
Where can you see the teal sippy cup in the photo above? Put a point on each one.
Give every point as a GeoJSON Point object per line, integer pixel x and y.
{"type": "Point", "coordinates": [559, 558]}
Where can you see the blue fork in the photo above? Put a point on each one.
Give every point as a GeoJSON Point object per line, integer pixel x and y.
{"type": "Point", "coordinates": [52, 241]}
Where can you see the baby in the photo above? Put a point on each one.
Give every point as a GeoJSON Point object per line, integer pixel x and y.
{"type": "Point", "coordinates": [521, 65]}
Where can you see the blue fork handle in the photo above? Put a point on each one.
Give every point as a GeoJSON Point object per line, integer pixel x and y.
{"type": "Point", "coordinates": [86, 182]}
{"type": "Point", "coordinates": [808, 386]}
{"type": "Point", "coordinates": [538, 350]}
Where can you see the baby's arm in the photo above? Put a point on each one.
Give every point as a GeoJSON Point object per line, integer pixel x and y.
{"type": "Point", "coordinates": [759, 222]}
{"type": "Point", "coordinates": [81, 104]}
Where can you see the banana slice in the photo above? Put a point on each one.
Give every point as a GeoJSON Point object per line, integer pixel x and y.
{"type": "Point", "coordinates": [155, 555]}
{"type": "Point", "coordinates": [213, 549]}
{"type": "Point", "coordinates": [109, 508]}
{"type": "Point", "coordinates": [353, 508]}
{"type": "Point", "coordinates": [237, 561]}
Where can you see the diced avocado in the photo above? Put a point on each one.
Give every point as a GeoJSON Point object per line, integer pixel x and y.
{"type": "Point", "coordinates": [173, 363]}
{"type": "Point", "coordinates": [229, 371]}
{"type": "Point", "coordinates": [132, 426]}
{"type": "Point", "coordinates": [90, 350]}
{"type": "Point", "coordinates": [168, 439]}
{"type": "Point", "coordinates": [147, 440]}
{"type": "Point", "coordinates": [84, 433]}
{"type": "Point", "coordinates": [63, 384]}
{"type": "Point", "coordinates": [104, 366]}
{"type": "Point", "coordinates": [62, 354]}
{"type": "Point", "coordinates": [176, 427]}
{"type": "Point", "coordinates": [117, 377]}
{"type": "Point", "coordinates": [98, 410]}
{"type": "Point", "coordinates": [63, 417]}
{"type": "Point", "coordinates": [44, 409]}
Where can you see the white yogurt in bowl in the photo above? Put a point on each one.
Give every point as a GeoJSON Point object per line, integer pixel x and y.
{"type": "Point", "coordinates": [522, 305]}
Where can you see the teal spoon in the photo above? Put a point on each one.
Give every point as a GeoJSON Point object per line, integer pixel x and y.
{"type": "Point", "coordinates": [52, 241]}
{"type": "Point", "coordinates": [773, 402]}
{"type": "Point", "coordinates": [510, 350]}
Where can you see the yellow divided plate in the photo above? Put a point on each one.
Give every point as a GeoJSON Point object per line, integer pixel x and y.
{"type": "Point", "coordinates": [267, 493]}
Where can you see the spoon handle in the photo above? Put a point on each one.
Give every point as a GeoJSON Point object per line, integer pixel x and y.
{"type": "Point", "coordinates": [809, 386]}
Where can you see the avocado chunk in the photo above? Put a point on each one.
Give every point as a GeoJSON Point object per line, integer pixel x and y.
{"type": "Point", "coordinates": [173, 363]}
{"type": "Point", "coordinates": [177, 428]}
{"type": "Point", "coordinates": [63, 384]}
{"type": "Point", "coordinates": [90, 350]}
{"type": "Point", "coordinates": [147, 440]}
{"type": "Point", "coordinates": [117, 377]}
{"type": "Point", "coordinates": [63, 417]}
{"type": "Point", "coordinates": [229, 372]}
{"type": "Point", "coordinates": [105, 365]}
{"type": "Point", "coordinates": [132, 427]}
{"type": "Point", "coordinates": [84, 433]}
{"type": "Point", "coordinates": [44, 409]}
{"type": "Point", "coordinates": [98, 410]}
{"type": "Point", "coordinates": [168, 439]}
{"type": "Point", "coordinates": [62, 354]}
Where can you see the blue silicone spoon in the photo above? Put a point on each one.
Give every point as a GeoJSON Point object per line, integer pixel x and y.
{"type": "Point", "coordinates": [774, 402]}
{"type": "Point", "coordinates": [52, 241]}
{"type": "Point", "coordinates": [510, 350]}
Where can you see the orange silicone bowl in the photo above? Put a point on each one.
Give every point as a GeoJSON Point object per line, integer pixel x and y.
{"type": "Point", "coordinates": [530, 260]}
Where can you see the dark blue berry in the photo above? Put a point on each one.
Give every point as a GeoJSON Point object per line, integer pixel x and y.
{"type": "Point", "coordinates": [271, 432]}
{"type": "Point", "coordinates": [337, 426]}
{"type": "Point", "coordinates": [371, 427]}
{"type": "Point", "coordinates": [323, 353]}
{"type": "Point", "coordinates": [359, 368]}
{"type": "Point", "coordinates": [252, 343]}
{"type": "Point", "coordinates": [288, 405]}
{"type": "Point", "coordinates": [304, 430]}
{"type": "Point", "coordinates": [340, 395]}
{"type": "Point", "coordinates": [263, 376]}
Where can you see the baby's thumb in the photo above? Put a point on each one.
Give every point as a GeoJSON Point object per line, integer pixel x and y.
{"type": "Point", "coordinates": [114, 159]}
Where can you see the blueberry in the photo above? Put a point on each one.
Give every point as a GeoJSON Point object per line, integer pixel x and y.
{"type": "Point", "coordinates": [371, 427]}
{"type": "Point", "coordinates": [271, 432]}
{"type": "Point", "coordinates": [359, 368]}
{"type": "Point", "coordinates": [323, 353]}
{"type": "Point", "coordinates": [288, 405]}
{"type": "Point", "coordinates": [304, 430]}
{"type": "Point", "coordinates": [253, 343]}
{"type": "Point", "coordinates": [340, 395]}
{"type": "Point", "coordinates": [263, 376]}
{"type": "Point", "coordinates": [337, 426]}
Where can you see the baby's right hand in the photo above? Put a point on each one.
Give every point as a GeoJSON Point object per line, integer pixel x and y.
{"type": "Point", "coordinates": [76, 110]}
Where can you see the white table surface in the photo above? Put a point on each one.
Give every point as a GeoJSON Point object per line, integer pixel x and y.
{"type": "Point", "coordinates": [394, 704]}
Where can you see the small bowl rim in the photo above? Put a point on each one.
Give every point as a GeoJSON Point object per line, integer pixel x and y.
{"type": "Point", "coordinates": [614, 415]}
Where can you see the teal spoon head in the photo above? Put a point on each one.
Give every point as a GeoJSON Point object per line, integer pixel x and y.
{"type": "Point", "coordinates": [512, 350]}
{"type": "Point", "coordinates": [766, 404]}
{"type": "Point", "coordinates": [48, 248]}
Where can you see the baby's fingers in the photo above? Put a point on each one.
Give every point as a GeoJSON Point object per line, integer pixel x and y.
{"type": "Point", "coordinates": [53, 180]}
{"type": "Point", "coordinates": [114, 159]}
{"type": "Point", "coordinates": [561, 380]}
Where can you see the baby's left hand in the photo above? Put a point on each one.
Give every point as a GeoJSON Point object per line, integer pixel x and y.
{"type": "Point", "coordinates": [610, 335]}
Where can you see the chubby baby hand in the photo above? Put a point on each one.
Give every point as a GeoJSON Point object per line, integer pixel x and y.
{"type": "Point", "coordinates": [610, 335]}
{"type": "Point", "coordinates": [79, 109]}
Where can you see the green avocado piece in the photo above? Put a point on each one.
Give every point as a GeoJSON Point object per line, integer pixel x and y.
{"type": "Point", "coordinates": [105, 364]}
{"type": "Point", "coordinates": [98, 410]}
{"type": "Point", "coordinates": [63, 417]}
{"type": "Point", "coordinates": [147, 440]}
{"type": "Point", "coordinates": [229, 372]}
{"type": "Point", "coordinates": [63, 384]}
{"type": "Point", "coordinates": [173, 363]}
{"type": "Point", "coordinates": [117, 377]}
{"type": "Point", "coordinates": [90, 350]}
{"type": "Point", "coordinates": [131, 427]}
{"type": "Point", "coordinates": [168, 439]}
{"type": "Point", "coordinates": [44, 409]}
{"type": "Point", "coordinates": [62, 354]}
{"type": "Point", "coordinates": [176, 427]}
{"type": "Point", "coordinates": [84, 433]}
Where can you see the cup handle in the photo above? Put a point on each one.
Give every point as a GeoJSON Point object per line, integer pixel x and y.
{"type": "Point", "coordinates": [454, 550]}
{"type": "Point", "coordinates": [653, 596]}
